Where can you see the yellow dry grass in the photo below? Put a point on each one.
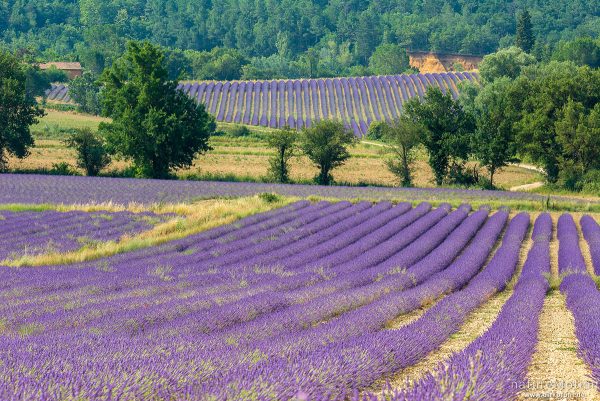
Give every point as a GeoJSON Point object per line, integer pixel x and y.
{"type": "Point", "coordinates": [192, 219]}
{"type": "Point", "coordinates": [249, 159]}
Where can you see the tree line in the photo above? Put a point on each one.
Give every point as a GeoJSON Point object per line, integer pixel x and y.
{"type": "Point", "coordinates": [264, 39]}
{"type": "Point", "coordinates": [546, 113]}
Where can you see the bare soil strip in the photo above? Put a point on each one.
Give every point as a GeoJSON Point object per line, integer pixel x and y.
{"type": "Point", "coordinates": [556, 371]}
{"type": "Point", "coordinates": [476, 325]}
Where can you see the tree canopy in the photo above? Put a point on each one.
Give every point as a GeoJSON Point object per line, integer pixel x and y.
{"type": "Point", "coordinates": [18, 108]}
{"type": "Point", "coordinates": [285, 37]}
{"type": "Point", "coordinates": [154, 124]}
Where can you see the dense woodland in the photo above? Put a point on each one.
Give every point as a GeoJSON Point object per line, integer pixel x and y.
{"type": "Point", "coordinates": [284, 38]}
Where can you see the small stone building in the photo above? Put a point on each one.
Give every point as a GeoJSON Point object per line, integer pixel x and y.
{"type": "Point", "coordinates": [73, 69]}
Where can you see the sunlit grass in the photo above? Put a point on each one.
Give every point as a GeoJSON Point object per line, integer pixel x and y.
{"type": "Point", "coordinates": [190, 219]}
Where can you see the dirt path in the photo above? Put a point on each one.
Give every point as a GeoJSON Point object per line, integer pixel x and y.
{"type": "Point", "coordinates": [527, 187]}
{"type": "Point", "coordinates": [476, 324]}
{"type": "Point", "coordinates": [556, 371]}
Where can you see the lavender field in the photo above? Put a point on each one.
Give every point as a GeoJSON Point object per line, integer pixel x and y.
{"type": "Point", "coordinates": [311, 301]}
{"type": "Point", "coordinates": [31, 233]}
{"type": "Point", "coordinates": [39, 189]}
{"type": "Point", "coordinates": [297, 103]}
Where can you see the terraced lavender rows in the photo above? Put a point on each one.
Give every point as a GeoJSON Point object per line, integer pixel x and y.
{"type": "Point", "coordinates": [32, 233]}
{"type": "Point", "coordinates": [292, 304]}
{"type": "Point", "coordinates": [298, 103]}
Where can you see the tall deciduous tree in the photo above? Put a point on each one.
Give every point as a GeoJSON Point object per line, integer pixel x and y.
{"type": "Point", "coordinates": [388, 59]}
{"type": "Point", "coordinates": [85, 91]}
{"type": "Point", "coordinates": [525, 39]}
{"type": "Point", "coordinates": [543, 92]}
{"type": "Point", "coordinates": [504, 63]}
{"type": "Point", "coordinates": [326, 145]}
{"type": "Point", "coordinates": [493, 141]}
{"type": "Point", "coordinates": [154, 124]}
{"type": "Point", "coordinates": [284, 143]}
{"type": "Point", "coordinates": [402, 137]}
{"type": "Point", "coordinates": [447, 129]}
{"type": "Point", "coordinates": [18, 109]}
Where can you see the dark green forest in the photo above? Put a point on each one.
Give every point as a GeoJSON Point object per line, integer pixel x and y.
{"type": "Point", "coordinates": [232, 39]}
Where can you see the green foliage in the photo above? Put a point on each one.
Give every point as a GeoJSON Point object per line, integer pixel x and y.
{"type": "Point", "coordinates": [326, 145]}
{"type": "Point", "coordinates": [309, 38]}
{"type": "Point", "coordinates": [493, 141]}
{"type": "Point", "coordinates": [525, 39]}
{"type": "Point", "coordinates": [239, 131]}
{"type": "Point", "coordinates": [91, 152]}
{"type": "Point", "coordinates": [154, 124]}
{"type": "Point", "coordinates": [504, 63]}
{"type": "Point", "coordinates": [270, 197]}
{"type": "Point", "coordinates": [403, 136]}
{"type": "Point", "coordinates": [62, 168]}
{"type": "Point", "coordinates": [218, 64]}
{"type": "Point", "coordinates": [284, 143]}
{"type": "Point", "coordinates": [581, 51]}
{"type": "Point", "coordinates": [375, 131]}
{"type": "Point", "coordinates": [551, 101]}
{"type": "Point", "coordinates": [388, 59]}
{"type": "Point", "coordinates": [18, 109]}
{"type": "Point", "coordinates": [85, 91]}
{"type": "Point", "coordinates": [448, 128]}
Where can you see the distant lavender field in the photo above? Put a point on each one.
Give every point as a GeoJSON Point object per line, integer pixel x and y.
{"type": "Point", "coordinates": [32, 233]}
{"type": "Point", "coordinates": [298, 103]}
{"type": "Point", "coordinates": [37, 189]}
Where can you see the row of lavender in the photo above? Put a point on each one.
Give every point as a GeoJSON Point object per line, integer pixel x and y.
{"type": "Point", "coordinates": [297, 103]}
{"type": "Point", "coordinates": [32, 233]}
{"type": "Point", "coordinates": [35, 189]}
{"type": "Point", "coordinates": [281, 304]}
{"type": "Point", "coordinates": [293, 303]}
{"type": "Point", "coordinates": [495, 365]}
{"type": "Point", "coordinates": [582, 295]}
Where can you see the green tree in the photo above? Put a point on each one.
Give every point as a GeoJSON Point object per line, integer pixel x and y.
{"type": "Point", "coordinates": [326, 145]}
{"type": "Point", "coordinates": [402, 136]}
{"type": "Point", "coordinates": [91, 152]}
{"type": "Point", "coordinates": [85, 91]}
{"type": "Point", "coordinates": [504, 63]}
{"type": "Point", "coordinates": [284, 143]}
{"type": "Point", "coordinates": [578, 133]}
{"type": "Point", "coordinates": [581, 51]}
{"type": "Point", "coordinates": [525, 39]}
{"type": "Point", "coordinates": [154, 124]}
{"type": "Point", "coordinates": [493, 142]}
{"type": "Point", "coordinates": [541, 94]}
{"type": "Point", "coordinates": [448, 128]}
{"type": "Point", "coordinates": [388, 59]}
{"type": "Point", "coordinates": [218, 64]}
{"type": "Point", "coordinates": [18, 110]}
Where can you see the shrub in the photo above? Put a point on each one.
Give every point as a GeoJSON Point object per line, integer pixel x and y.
{"type": "Point", "coordinates": [238, 131]}
{"type": "Point", "coordinates": [91, 152]}
{"type": "Point", "coordinates": [62, 168]}
{"type": "Point", "coordinates": [375, 131]}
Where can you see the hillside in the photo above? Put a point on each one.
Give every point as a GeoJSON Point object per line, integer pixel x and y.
{"type": "Point", "coordinates": [284, 38]}
{"type": "Point", "coordinates": [297, 103]}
